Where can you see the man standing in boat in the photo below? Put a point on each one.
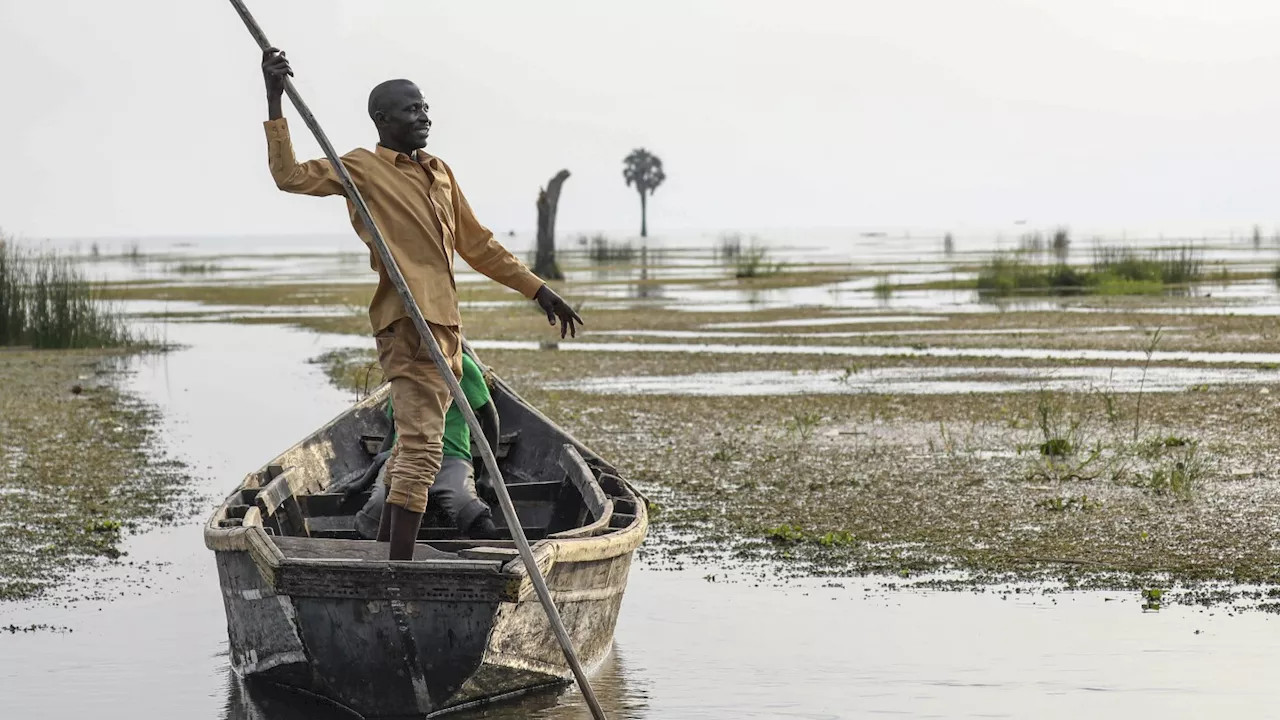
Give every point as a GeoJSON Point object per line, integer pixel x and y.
{"type": "Point", "coordinates": [416, 203]}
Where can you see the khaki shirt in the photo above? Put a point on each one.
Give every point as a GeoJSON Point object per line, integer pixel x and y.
{"type": "Point", "coordinates": [423, 217]}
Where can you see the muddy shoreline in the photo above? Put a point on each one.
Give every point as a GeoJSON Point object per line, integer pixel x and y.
{"type": "Point", "coordinates": [82, 468]}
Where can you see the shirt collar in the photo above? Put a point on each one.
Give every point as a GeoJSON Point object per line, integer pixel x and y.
{"type": "Point", "coordinates": [390, 156]}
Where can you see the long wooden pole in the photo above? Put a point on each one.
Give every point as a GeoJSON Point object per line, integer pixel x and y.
{"type": "Point", "coordinates": [442, 366]}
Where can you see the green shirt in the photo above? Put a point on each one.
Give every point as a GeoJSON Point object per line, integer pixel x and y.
{"type": "Point", "coordinates": [457, 436]}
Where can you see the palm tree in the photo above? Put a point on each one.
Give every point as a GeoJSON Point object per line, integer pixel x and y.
{"type": "Point", "coordinates": [644, 170]}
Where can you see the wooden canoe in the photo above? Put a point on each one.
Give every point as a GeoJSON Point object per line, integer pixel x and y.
{"type": "Point", "coordinates": [310, 606]}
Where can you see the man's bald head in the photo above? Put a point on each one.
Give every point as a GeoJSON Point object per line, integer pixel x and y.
{"type": "Point", "coordinates": [399, 111]}
{"type": "Point", "coordinates": [388, 92]}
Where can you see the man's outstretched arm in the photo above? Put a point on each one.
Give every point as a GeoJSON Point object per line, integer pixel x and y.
{"type": "Point", "coordinates": [314, 177]}
{"type": "Point", "coordinates": [476, 244]}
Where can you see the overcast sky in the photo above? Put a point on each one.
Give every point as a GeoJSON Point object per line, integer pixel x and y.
{"type": "Point", "coordinates": [143, 117]}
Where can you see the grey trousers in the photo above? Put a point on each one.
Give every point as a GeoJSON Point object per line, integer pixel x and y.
{"type": "Point", "coordinates": [454, 492]}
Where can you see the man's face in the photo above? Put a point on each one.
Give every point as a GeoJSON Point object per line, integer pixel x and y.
{"type": "Point", "coordinates": [403, 118]}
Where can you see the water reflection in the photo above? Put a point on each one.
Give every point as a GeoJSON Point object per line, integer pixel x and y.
{"type": "Point", "coordinates": [619, 698]}
{"type": "Point", "coordinates": [248, 700]}
{"type": "Point", "coordinates": [620, 701]}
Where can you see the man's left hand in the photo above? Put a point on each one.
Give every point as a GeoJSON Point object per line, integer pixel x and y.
{"type": "Point", "coordinates": [556, 308]}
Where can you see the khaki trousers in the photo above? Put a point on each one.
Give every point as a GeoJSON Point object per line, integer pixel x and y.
{"type": "Point", "coordinates": [421, 399]}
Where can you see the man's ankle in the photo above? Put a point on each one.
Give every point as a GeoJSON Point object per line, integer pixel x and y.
{"type": "Point", "coordinates": [403, 532]}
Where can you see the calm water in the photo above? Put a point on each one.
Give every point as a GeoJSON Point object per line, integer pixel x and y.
{"type": "Point", "coordinates": [686, 648]}
{"type": "Point", "coordinates": [1042, 354]}
{"type": "Point", "coordinates": [923, 381]}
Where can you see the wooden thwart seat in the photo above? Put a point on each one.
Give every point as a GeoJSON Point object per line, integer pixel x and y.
{"type": "Point", "coordinates": [277, 500]}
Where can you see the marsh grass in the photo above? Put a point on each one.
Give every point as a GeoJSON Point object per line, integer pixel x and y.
{"type": "Point", "coordinates": [353, 369]}
{"type": "Point", "coordinates": [1177, 473]}
{"type": "Point", "coordinates": [46, 303]}
{"type": "Point", "coordinates": [194, 268]}
{"type": "Point", "coordinates": [1114, 271]}
{"type": "Point", "coordinates": [1170, 266]}
{"type": "Point", "coordinates": [753, 261]}
{"type": "Point", "coordinates": [1066, 446]}
{"type": "Point", "coordinates": [1060, 243]}
{"type": "Point", "coordinates": [729, 449]}
{"type": "Point", "coordinates": [133, 253]}
{"type": "Point", "coordinates": [801, 426]}
{"type": "Point", "coordinates": [1031, 243]}
{"type": "Point", "coordinates": [884, 288]}
{"type": "Point", "coordinates": [1148, 351]}
{"type": "Point", "coordinates": [1074, 441]}
{"type": "Point", "coordinates": [728, 247]}
{"type": "Point", "coordinates": [83, 470]}
{"type": "Point", "coordinates": [600, 249]}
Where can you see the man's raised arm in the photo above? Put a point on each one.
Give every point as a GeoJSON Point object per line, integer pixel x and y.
{"type": "Point", "coordinates": [314, 177]}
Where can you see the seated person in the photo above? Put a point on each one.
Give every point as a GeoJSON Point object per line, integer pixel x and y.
{"type": "Point", "coordinates": [454, 489]}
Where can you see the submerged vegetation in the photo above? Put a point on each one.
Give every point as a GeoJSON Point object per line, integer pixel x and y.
{"type": "Point", "coordinates": [600, 249]}
{"type": "Point", "coordinates": [1058, 243]}
{"type": "Point", "coordinates": [79, 469]}
{"type": "Point", "coordinates": [195, 268]}
{"type": "Point", "coordinates": [46, 302]}
{"type": "Point", "coordinates": [78, 466]}
{"type": "Point", "coordinates": [750, 259]}
{"type": "Point", "coordinates": [1114, 271]}
{"type": "Point", "coordinates": [754, 261]}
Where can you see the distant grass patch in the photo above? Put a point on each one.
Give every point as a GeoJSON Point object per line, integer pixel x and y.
{"type": "Point", "coordinates": [728, 247]}
{"type": "Point", "coordinates": [194, 268]}
{"type": "Point", "coordinates": [600, 249]}
{"type": "Point", "coordinates": [753, 261]}
{"type": "Point", "coordinates": [884, 288]}
{"type": "Point", "coordinates": [46, 303]}
{"type": "Point", "coordinates": [1114, 271]}
{"type": "Point", "coordinates": [1178, 266]}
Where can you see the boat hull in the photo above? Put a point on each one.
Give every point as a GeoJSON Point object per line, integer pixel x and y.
{"type": "Point", "coordinates": [414, 657]}
{"type": "Point", "coordinates": [311, 607]}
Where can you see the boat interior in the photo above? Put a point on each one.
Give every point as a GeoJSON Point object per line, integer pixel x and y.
{"type": "Point", "coordinates": [560, 489]}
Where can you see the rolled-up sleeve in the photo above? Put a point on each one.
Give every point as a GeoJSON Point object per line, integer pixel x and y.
{"type": "Point", "coordinates": [476, 244]}
{"type": "Point", "coordinates": [314, 177]}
